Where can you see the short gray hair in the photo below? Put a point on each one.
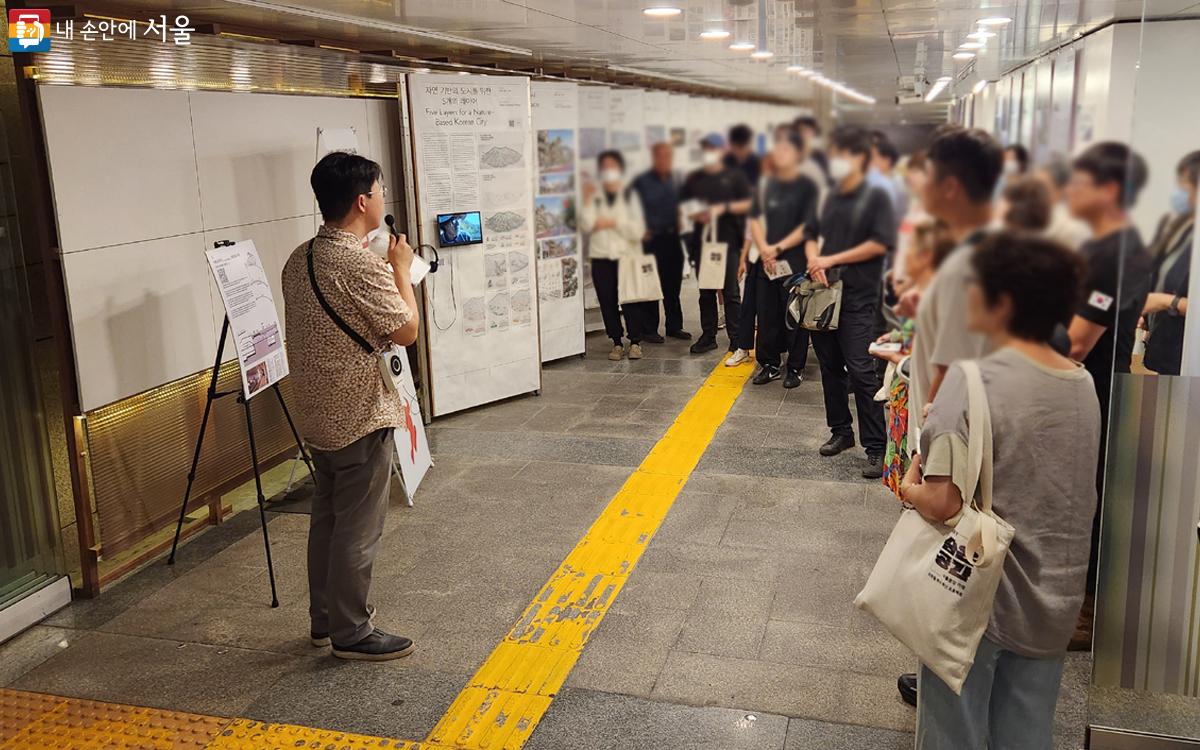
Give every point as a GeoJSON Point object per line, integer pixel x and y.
{"type": "Point", "coordinates": [1059, 170]}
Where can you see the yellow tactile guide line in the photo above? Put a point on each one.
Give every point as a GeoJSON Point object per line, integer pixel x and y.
{"type": "Point", "coordinates": [504, 701]}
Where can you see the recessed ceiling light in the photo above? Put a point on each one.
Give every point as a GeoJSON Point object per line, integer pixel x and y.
{"type": "Point", "coordinates": [795, 69]}
{"type": "Point", "coordinates": [963, 55]}
{"type": "Point", "coordinates": [762, 54]}
{"type": "Point", "coordinates": [662, 11]}
{"type": "Point", "coordinates": [981, 35]}
{"type": "Point", "coordinates": [714, 34]}
{"type": "Point", "coordinates": [995, 21]}
{"type": "Point", "coordinates": [741, 46]}
{"type": "Point", "coordinates": [971, 45]}
{"type": "Point", "coordinates": [980, 86]}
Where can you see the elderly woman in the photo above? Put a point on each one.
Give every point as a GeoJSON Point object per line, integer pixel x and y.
{"type": "Point", "coordinates": [1046, 435]}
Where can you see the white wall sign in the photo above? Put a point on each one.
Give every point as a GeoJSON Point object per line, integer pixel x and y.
{"type": "Point", "coordinates": [559, 256]}
{"type": "Point", "coordinates": [253, 320]}
{"type": "Point", "coordinates": [474, 152]}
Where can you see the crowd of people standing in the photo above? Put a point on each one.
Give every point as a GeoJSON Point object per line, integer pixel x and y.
{"type": "Point", "coordinates": [964, 250]}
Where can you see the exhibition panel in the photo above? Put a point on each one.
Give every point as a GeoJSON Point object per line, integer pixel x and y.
{"type": "Point", "coordinates": [627, 128]}
{"type": "Point", "coordinates": [678, 114]}
{"type": "Point", "coordinates": [473, 153]}
{"type": "Point", "coordinates": [559, 257]}
{"type": "Point", "coordinates": [593, 138]}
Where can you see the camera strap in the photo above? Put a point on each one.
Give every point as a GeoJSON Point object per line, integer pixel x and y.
{"type": "Point", "coordinates": [353, 334]}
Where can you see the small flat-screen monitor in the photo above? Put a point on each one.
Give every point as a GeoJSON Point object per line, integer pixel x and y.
{"type": "Point", "coordinates": [458, 229]}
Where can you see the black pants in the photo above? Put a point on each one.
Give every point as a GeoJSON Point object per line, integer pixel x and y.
{"type": "Point", "coordinates": [774, 338]}
{"type": "Point", "coordinates": [846, 366]}
{"type": "Point", "coordinates": [745, 326]}
{"type": "Point", "coordinates": [708, 297]}
{"type": "Point", "coordinates": [668, 254]}
{"type": "Point", "coordinates": [637, 314]}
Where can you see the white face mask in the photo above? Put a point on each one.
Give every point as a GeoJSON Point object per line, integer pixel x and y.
{"type": "Point", "coordinates": [711, 158]}
{"type": "Point", "coordinates": [818, 142]}
{"type": "Point", "coordinates": [611, 176]}
{"type": "Point", "coordinates": [840, 168]}
{"type": "Point", "coordinates": [1010, 167]}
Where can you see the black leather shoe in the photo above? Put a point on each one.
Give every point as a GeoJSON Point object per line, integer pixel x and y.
{"type": "Point", "coordinates": [702, 346]}
{"type": "Point", "coordinates": [836, 445]}
{"type": "Point", "coordinates": [680, 334]}
{"type": "Point", "coordinates": [653, 338]}
{"type": "Point", "coordinates": [793, 379]}
{"type": "Point", "coordinates": [378, 646]}
{"type": "Point", "coordinates": [765, 375]}
{"type": "Point", "coordinates": [907, 685]}
{"type": "Point", "coordinates": [874, 467]}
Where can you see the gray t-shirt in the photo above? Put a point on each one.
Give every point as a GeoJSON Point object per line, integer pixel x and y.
{"type": "Point", "coordinates": [1046, 438]}
{"type": "Point", "coordinates": [941, 334]}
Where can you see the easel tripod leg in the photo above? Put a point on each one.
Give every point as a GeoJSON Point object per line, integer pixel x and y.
{"type": "Point", "coordinates": [262, 500]}
{"type": "Point", "coordinates": [295, 432]}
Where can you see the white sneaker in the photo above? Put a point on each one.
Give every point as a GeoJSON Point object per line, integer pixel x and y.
{"type": "Point", "coordinates": [737, 357]}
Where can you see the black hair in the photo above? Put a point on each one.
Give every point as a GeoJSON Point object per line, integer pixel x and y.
{"type": "Point", "coordinates": [1043, 279]}
{"type": "Point", "coordinates": [1189, 168]}
{"type": "Point", "coordinates": [806, 121]}
{"type": "Point", "coordinates": [1058, 169]}
{"type": "Point", "coordinates": [611, 154]}
{"type": "Point", "coordinates": [791, 134]}
{"type": "Point", "coordinates": [853, 140]}
{"type": "Point", "coordinates": [740, 135]}
{"type": "Point", "coordinates": [338, 179]}
{"type": "Point", "coordinates": [885, 147]}
{"type": "Point", "coordinates": [1022, 155]}
{"type": "Point", "coordinates": [970, 156]}
{"type": "Point", "coordinates": [1112, 162]}
{"type": "Point", "coordinates": [1029, 205]}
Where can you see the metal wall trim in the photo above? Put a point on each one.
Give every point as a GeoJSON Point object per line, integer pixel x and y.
{"type": "Point", "coordinates": [1107, 738]}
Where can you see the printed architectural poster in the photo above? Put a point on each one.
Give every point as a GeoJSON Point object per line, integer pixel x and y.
{"type": "Point", "coordinates": [593, 139]}
{"type": "Point", "coordinates": [253, 319]}
{"type": "Point", "coordinates": [412, 446]}
{"type": "Point", "coordinates": [556, 122]}
{"type": "Point", "coordinates": [476, 151]}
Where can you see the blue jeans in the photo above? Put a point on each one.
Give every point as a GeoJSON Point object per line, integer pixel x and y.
{"type": "Point", "coordinates": [1007, 703]}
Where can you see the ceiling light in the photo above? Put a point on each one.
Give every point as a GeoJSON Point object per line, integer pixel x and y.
{"type": "Point", "coordinates": [963, 55]}
{"type": "Point", "coordinates": [980, 86]}
{"type": "Point", "coordinates": [662, 11]}
{"type": "Point", "coordinates": [995, 21]}
{"type": "Point", "coordinates": [981, 35]}
{"type": "Point", "coordinates": [715, 34]}
{"type": "Point", "coordinates": [795, 69]}
{"type": "Point", "coordinates": [937, 88]}
{"type": "Point", "coordinates": [971, 45]}
{"type": "Point", "coordinates": [741, 46]}
{"type": "Point", "coordinates": [762, 54]}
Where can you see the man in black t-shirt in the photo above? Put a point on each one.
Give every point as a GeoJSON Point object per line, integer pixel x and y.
{"type": "Point", "coordinates": [783, 224]}
{"type": "Point", "coordinates": [1104, 185]}
{"type": "Point", "coordinates": [741, 153]}
{"type": "Point", "coordinates": [859, 228]}
{"type": "Point", "coordinates": [724, 196]}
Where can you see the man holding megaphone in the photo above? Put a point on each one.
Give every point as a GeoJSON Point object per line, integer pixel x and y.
{"type": "Point", "coordinates": [343, 307]}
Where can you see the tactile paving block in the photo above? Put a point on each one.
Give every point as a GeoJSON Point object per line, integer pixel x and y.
{"type": "Point", "coordinates": [244, 734]}
{"type": "Point", "coordinates": [19, 709]}
{"type": "Point", "coordinates": [91, 725]}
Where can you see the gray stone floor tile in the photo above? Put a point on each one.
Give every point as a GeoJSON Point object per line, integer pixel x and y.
{"type": "Point", "coordinates": [389, 699]}
{"type": "Point", "coordinates": [618, 722]}
{"type": "Point", "coordinates": [804, 734]}
{"type": "Point", "coordinates": [819, 589]}
{"type": "Point", "coordinates": [725, 597]}
{"type": "Point", "coordinates": [28, 650]}
{"type": "Point", "coordinates": [159, 673]}
{"type": "Point", "coordinates": [713, 562]}
{"type": "Point", "coordinates": [779, 462]}
{"type": "Point", "coordinates": [649, 590]}
{"type": "Point", "coordinates": [732, 635]}
{"type": "Point", "coordinates": [697, 518]}
{"type": "Point", "coordinates": [627, 652]}
{"type": "Point", "coordinates": [536, 447]}
{"type": "Point", "coordinates": [844, 649]}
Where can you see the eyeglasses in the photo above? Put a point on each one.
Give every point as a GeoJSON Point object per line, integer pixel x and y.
{"type": "Point", "coordinates": [382, 189]}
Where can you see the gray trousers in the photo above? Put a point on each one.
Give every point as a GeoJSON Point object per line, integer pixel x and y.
{"type": "Point", "coordinates": [349, 506]}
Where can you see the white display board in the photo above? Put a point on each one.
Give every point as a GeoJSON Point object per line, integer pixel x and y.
{"type": "Point", "coordinates": [593, 138]}
{"type": "Point", "coordinates": [656, 117]}
{"type": "Point", "coordinates": [626, 128]}
{"type": "Point", "coordinates": [559, 256]}
{"type": "Point", "coordinates": [474, 150]}
{"type": "Point", "coordinates": [253, 320]}
{"type": "Point", "coordinates": [677, 122]}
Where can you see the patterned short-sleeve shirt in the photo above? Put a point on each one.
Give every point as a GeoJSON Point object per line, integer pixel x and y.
{"type": "Point", "coordinates": [339, 392]}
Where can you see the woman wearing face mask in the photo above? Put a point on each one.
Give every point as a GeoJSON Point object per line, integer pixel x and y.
{"type": "Point", "coordinates": [1165, 312]}
{"type": "Point", "coordinates": [612, 216]}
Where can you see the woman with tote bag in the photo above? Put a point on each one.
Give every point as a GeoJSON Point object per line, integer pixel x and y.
{"type": "Point", "coordinates": [612, 216]}
{"type": "Point", "coordinates": [991, 667]}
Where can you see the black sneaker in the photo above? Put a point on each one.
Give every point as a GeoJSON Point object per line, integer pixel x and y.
{"type": "Point", "coordinates": [907, 685]}
{"type": "Point", "coordinates": [794, 379]}
{"type": "Point", "coordinates": [378, 646]}
{"type": "Point", "coordinates": [321, 640]}
{"type": "Point", "coordinates": [702, 346]}
{"type": "Point", "coordinates": [765, 375]}
{"type": "Point", "coordinates": [874, 467]}
{"type": "Point", "coordinates": [653, 338]}
{"type": "Point", "coordinates": [836, 445]}
{"type": "Point", "coordinates": [681, 334]}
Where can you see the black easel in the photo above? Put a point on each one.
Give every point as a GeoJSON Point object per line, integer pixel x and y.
{"type": "Point", "coordinates": [213, 395]}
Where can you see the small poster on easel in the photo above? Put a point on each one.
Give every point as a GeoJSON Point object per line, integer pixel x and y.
{"type": "Point", "coordinates": [412, 446]}
{"type": "Point", "coordinates": [253, 319]}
